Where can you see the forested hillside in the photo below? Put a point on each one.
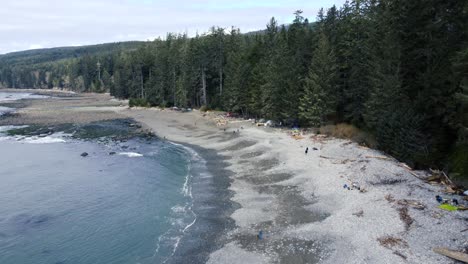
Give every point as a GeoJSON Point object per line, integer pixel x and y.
{"type": "Point", "coordinates": [395, 68]}
{"type": "Point", "coordinates": [43, 68]}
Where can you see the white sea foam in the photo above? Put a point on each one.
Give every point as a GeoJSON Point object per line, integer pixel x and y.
{"type": "Point", "coordinates": [7, 128]}
{"type": "Point", "coordinates": [43, 140]}
{"type": "Point", "coordinates": [12, 96]}
{"type": "Point", "coordinates": [131, 154]}
{"type": "Point", "coordinates": [178, 209]}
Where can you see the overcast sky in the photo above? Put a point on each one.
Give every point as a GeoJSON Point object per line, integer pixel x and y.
{"type": "Point", "coordinates": [32, 24]}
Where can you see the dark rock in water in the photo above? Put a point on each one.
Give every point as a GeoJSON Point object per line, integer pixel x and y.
{"type": "Point", "coordinates": [112, 153]}
{"type": "Point", "coordinates": [24, 221]}
{"type": "Point", "coordinates": [84, 154]}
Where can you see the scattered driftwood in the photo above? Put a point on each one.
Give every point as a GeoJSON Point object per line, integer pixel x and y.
{"type": "Point", "coordinates": [405, 217]}
{"type": "Point", "coordinates": [337, 161]}
{"type": "Point", "coordinates": [320, 138]}
{"type": "Point", "coordinates": [400, 254]}
{"type": "Point", "coordinates": [441, 176]}
{"type": "Point", "coordinates": [466, 229]}
{"type": "Point", "coordinates": [387, 182]}
{"type": "Point", "coordinates": [452, 254]}
{"type": "Point", "coordinates": [412, 203]}
{"type": "Point", "coordinates": [347, 143]}
{"type": "Point", "coordinates": [391, 242]}
{"type": "Point", "coordinates": [410, 170]}
{"type": "Point", "coordinates": [379, 157]}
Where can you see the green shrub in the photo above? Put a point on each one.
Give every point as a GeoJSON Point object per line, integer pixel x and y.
{"type": "Point", "coordinates": [459, 162]}
{"type": "Point", "coordinates": [204, 108]}
{"type": "Point", "coordinates": [138, 102]}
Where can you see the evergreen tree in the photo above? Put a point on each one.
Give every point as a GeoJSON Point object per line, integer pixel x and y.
{"type": "Point", "coordinates": [319, 93]}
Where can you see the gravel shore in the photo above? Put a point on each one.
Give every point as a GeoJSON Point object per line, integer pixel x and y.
{"type": "Point", "coordinates": [297, 200]}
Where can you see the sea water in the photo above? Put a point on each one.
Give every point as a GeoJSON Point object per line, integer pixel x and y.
{"type": "Point", "coordinates": [13, 96]}
{"type": "Point", "coordinates": [126, 202]}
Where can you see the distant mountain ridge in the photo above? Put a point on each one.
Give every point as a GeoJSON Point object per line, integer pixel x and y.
{"type": "Point", "coordinates": [38, 56]}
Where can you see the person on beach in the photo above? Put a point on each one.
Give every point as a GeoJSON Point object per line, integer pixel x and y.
{"type": "Point", "coordinates": [307, 150]}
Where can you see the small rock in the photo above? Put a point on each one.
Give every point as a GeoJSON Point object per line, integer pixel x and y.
{"type": "Point", "coordinates": [360, 213]}
{"type": "Point", "coordinates": [84, 154]}
{"type": "Point", "coordinates": [112, 153]}
{"type": "Point", "coordinates": [315, 148]}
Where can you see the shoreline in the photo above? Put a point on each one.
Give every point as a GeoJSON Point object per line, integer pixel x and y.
{"type": "Point", "coordinates": [296, 200]}
{"type": "Point", "coordinates": [211, 204]}
{"type": "Point", "coordinates": [299, 202]}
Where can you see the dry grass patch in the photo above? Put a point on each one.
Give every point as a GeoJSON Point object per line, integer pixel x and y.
{"type": "Point", "coordinates": [348, 131]}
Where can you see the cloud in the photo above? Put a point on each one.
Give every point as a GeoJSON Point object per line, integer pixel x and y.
{"type": "Point", "coordinates": [36, 46]}
{"type": "Point", "coordinates": [30, 24]}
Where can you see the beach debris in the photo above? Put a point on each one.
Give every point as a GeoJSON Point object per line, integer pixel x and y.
{"type": "Point", "coordinates": [460, 256]}
{"type": "Point", "coordinates": [359, 213]}
{"type": "Point", "coordinates": [391, 242]}
{"type": "Point", "coordinates": [405, 217]}
{"type": "Point", "coordinates": [307, 150]}
{"type": "Point", "coordinates": [448, 207]}
{"type": "Point", "coordinates": [84, 154]}
{"type": "Point", "coordinates": [412, 203]}
{"type": "Point", "coordinates": [112, 153]}
{"type": "Point", "coordinates": [379, 157]}
{"type": "Point", "coordinates": [389, 198]}
{"type": "Point", "coordinates": [347, 143]}
{"type": "Point", "coordinates": [466, 229]}
{"type": "Point", "coordinates": [319, 138]}
{"type": "Point", "coordinates": [452, 206]}
{"type": "Point", "coordinates": [398, 253]}
{"type": "Point", "coordinates": [337, 161]}
{"type": "Point", "coordinates": [270, 123]}
{"type": "Point", "coordinates": [314, 148]}
{"type": "Point", "coordinates": [410, 170]}
{"type": "Point", "coordinates": [437, 215]}
{"type": "Point", "coordinates": [260, 235]}
{"type": "Point", "coordinates": [356, 185]}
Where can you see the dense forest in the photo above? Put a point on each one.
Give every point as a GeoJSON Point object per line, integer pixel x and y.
{"type": "Point", "coordinates": [397, 69]}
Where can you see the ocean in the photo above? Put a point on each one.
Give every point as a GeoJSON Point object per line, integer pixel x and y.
{"type": "Point", "coordinates": [136, 200]}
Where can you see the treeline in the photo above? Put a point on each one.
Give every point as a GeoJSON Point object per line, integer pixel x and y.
{"type": "Point", "coordinates": [47, 68]}
{"type": "Point", "coordinates": [395, 68]}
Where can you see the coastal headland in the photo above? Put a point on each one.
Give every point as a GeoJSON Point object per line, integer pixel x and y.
{"type": "Point", "coordinates": [338, 203]}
